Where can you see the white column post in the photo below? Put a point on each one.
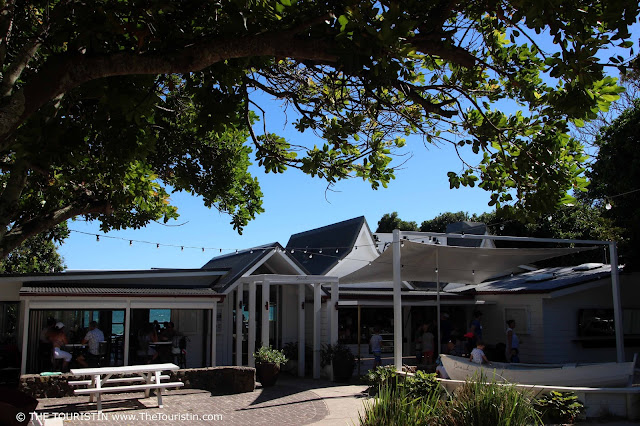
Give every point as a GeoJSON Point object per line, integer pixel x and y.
{"type": "Point", "coordinates": [333, 311]}
{"type": "Point", "coordinates": [438, 338]}
{"type": "Point", "coordinates": [265, 313]}
{"type": "Point", "coordinates": [397, 301]}
{"type": "Point", "coordinates": [25, 337]}
{"type": "Point", "coordinates": [127, 332]}
{"type": "Point", "coordinates": [239, 320]}
{"type": "Point", "coordinates": [317, 319]}
{"type": "Point", "coordinates": [301, 329]}
{"type": "Point", "coordinates": [617, 304]}
{"type": "Point", "coordinates": [214, 334]}
{"type": "Point", "coordinates": [252, 324]}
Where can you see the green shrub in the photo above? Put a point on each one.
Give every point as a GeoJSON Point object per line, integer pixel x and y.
{"type": "Point", "coordinates": [483, 403]}
{"type": "Point", "coordinates": [421, 384]}
{"type": "Point", "coordinates": [559, 407]}
{"type": "Point", "coordinates": [379, 377]}
{"type": "Point", "coordinates": [476, 403]}
{"type": "Point", "coordinates": [393, 406]}
{"type": "Point", "coordinates": [268, 354]}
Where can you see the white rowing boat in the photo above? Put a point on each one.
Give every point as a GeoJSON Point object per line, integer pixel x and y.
{"type": "Point", "coordinates": [609, 374]}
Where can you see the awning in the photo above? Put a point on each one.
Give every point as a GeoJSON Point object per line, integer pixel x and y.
{"type": "Point", "coordinates": [451, 264]}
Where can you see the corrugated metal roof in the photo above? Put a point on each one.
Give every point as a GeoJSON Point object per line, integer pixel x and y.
{"type": "Point", "coordinates": [561, 277]}
{"type": "Point", "coordinates": [114, 291]}
{"type": "Point", "coordinates": [339, 236]}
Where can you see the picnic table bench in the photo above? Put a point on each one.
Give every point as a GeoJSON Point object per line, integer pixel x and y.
{"type": "Point", "coordinates": [149, 374]}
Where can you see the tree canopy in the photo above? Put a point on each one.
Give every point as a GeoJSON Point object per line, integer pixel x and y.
{"type": "Point", "coordinates": [390, 221]}
{"type": "Point", "coordinates": [106, 107]}
{"type": "Point", "coordinates": [615, 179]}
{"type": "Point", "coordinates": [38, 254]}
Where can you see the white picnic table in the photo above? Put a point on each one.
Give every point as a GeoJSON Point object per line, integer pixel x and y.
{"type": "Point", "coordinates": [150, 374]}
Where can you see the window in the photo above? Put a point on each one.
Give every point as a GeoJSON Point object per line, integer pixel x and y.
{"type": "Point", "coordinates": [521, 317]}
{"type": "Point", "coordinates": [600, 322]}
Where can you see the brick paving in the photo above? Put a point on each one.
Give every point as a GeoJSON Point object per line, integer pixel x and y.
{"type": "Point", "coordinates": [290, 402]}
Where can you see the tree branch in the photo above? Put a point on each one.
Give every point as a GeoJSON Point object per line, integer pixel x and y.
{"type": "Point", "coordinates": [18, 234]}
{"type": "Point", "coordinates": [13, 72]}
{"type": "Point", "coordinates": [64, 72]}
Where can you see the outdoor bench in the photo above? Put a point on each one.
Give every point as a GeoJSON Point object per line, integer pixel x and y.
{"type": "Point", "coordinates": [150, 374]}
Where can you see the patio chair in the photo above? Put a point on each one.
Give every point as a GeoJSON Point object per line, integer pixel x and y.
{"type": "Point", "coordinates": [180, 352]}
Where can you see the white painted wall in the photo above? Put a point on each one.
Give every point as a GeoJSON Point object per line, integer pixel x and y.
{"type": "Point", "coordinates": [355, 260]}
{"type": "Point", "coordinates": [289, 313]}
{"type": "Point", "coordinates": [561, 321]}
{"type": "Point", "coordinates": [494, 323]}
{"type": "Point", "coordinates": [554, 322]}
{"type": "Point", "coordinates": [224, 342]}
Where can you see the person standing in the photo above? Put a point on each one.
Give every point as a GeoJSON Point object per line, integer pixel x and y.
{"type": "Point", "coordinates": [476, 326]}
{"type": "Point", "coordinates": [513, 343]}
{"type": "Point", "coordinates": [427, 345]}
{"type": "Point", "coordinates": [445, 332]}
{"type": "Point", "coordinates": [375, 345]}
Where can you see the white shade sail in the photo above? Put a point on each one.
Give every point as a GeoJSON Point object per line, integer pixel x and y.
{"type": "Point", "coordinates": [468, 265]}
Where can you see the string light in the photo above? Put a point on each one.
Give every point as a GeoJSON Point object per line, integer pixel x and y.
{"type": "Point", "coordinates": [98, 238]}
{"type": "Point", "coordinates": [157, 245]}
{"type": "Point", "coordinates": [292, 251]}
{"type": "Point", "coordinates": [473, 272]}
{"type": "Point", "coordinates": [130, 242]}
{"type": "Point", "coordinates": [182, 248]}
{"type": "Point", "coordinates": [203, 249]}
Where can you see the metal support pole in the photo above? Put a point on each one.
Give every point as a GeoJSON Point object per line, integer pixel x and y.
{"type": "Point", "coordinates": [214, 334]}
{"type": "Point", "coordinates": [438, 338]}
{"type": "Point", "coordinates": [317, 319]}
{"type": "Point", "coordinates": [333, 313]}
{"type": "Point", "coordinates": [359, 339]}
{"type": "Point", "coordinates": [239, 321]}
{"type": "Point", "coordinates": [617, 304]}
{"type": "Point", "coordinates": [265, 313]}
{"type": "Point", "coordinates": [251, 344]}
{"type": "Point", "coordinates": [397, 301]}
{"type": "Point", "coordinates": [301, 329]}
{"type": "Point", "coordinates": [127, 332]}
{"type": "Point", "coordinates": [25, 337]}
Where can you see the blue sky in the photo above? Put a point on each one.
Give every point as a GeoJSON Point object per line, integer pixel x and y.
{"type": "Point", "coordinates": [293, 202]}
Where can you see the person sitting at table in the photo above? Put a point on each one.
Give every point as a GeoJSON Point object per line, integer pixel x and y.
{"type": "Point", "coordinates": [146, 336]}
{"type": "Point", "coordinates": [58, 341]}
{"type": "Point", "coordinates": [169, 332]}
{"type": "Point", "coordinates": [93, 338]}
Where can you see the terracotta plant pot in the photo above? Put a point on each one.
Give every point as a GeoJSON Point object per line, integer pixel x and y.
{"type": "Point", "coordinates": [267, 373]}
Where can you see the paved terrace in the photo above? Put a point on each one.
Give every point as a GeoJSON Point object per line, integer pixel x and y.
{"type": "Point", "coordinates": [291, 401]}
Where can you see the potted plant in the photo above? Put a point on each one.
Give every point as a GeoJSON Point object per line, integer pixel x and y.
{"type": "Point", "coordinates": [341, 360]}
{"type": "Point", "coordinates": [268, 361]}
